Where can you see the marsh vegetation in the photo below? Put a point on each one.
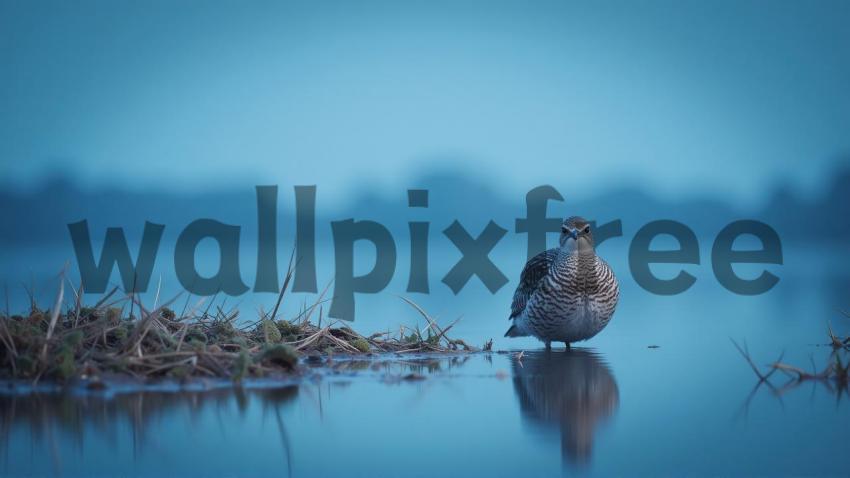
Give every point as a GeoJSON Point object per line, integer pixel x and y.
{"type": "Point", "coordinates": [119, 336]}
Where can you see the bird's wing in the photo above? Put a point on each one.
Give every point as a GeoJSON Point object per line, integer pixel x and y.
{"type": "Point", "coordinates": [533, 272]}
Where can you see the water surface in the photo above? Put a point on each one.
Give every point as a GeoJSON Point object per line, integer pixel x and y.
{"type": "Point", "coordinates": [539, 414]}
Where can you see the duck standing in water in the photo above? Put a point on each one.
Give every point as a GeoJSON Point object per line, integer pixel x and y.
{"type": "Point", "coordinates": [565, 294]}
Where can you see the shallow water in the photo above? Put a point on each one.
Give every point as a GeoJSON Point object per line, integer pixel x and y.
{"type": "Point", "coordinates": [581, 411]}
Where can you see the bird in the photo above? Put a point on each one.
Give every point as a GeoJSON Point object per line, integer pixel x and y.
{"type": "Point", "coordinates": [567, 293]}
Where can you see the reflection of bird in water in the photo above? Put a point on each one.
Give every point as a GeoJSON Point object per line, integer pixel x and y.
{"type": "Point", "coordinates": [567, 293]}
{"type": "Point", "coordinates": [573, 390]}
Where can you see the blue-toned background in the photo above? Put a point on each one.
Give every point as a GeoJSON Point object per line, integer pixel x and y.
{"type": "Point", "coordinates": [121, 112]}
{"type": "Point", "coordinates": [705, 112]}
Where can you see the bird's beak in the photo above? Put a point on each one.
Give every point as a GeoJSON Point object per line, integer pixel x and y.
{"type": "Point", "coordinates": [573, 233]}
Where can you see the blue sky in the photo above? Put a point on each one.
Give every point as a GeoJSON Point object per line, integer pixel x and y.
{"type": "Point", "coordinates": [727, 98]}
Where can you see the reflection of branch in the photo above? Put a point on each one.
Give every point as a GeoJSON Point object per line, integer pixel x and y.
{"type": "Point", "coordinates": [746, 353]}
{"type": "Point", "coordinates": [834, 376]}
{"type": "Point", "coordinates": [745, 407]}
{"type": "Point", "coordinates": [284, 440]}
{"type": "Point", "coordinates": [763, 378]}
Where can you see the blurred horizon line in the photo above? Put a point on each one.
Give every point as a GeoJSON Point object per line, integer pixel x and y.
{"type": "Point", "coordinates": [42, 214]}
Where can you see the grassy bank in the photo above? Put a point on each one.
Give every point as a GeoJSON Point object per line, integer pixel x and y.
{"type": "Point", "coordinates": [119, 336]}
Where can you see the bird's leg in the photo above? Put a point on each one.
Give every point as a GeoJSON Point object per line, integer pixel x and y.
{"type": "Point", "coordinates": [567, 345]}
{"type": "Point", "coordinates": [548, 346]}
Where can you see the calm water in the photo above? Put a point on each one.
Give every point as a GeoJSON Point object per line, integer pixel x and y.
{"type": "Point", "coordinates": [613, 407]}
{"type": "Point", "coordinates": [636, 412]}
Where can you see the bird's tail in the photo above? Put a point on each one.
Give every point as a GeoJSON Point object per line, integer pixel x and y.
{"type": "Point", "coordinates": [514, 331]}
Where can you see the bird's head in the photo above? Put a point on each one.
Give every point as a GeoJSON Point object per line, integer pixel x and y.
{"type": "Point", "coordinates": [576, 235]}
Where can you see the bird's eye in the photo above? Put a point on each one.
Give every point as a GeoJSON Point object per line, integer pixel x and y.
{"type": "Point", "coordinates": [586, 230]}
{"type": "Point", "coordinates": [563, 228]}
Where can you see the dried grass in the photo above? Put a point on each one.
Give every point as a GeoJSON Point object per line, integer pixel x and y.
{"type": "Point", "coordinates": [103, 341]}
